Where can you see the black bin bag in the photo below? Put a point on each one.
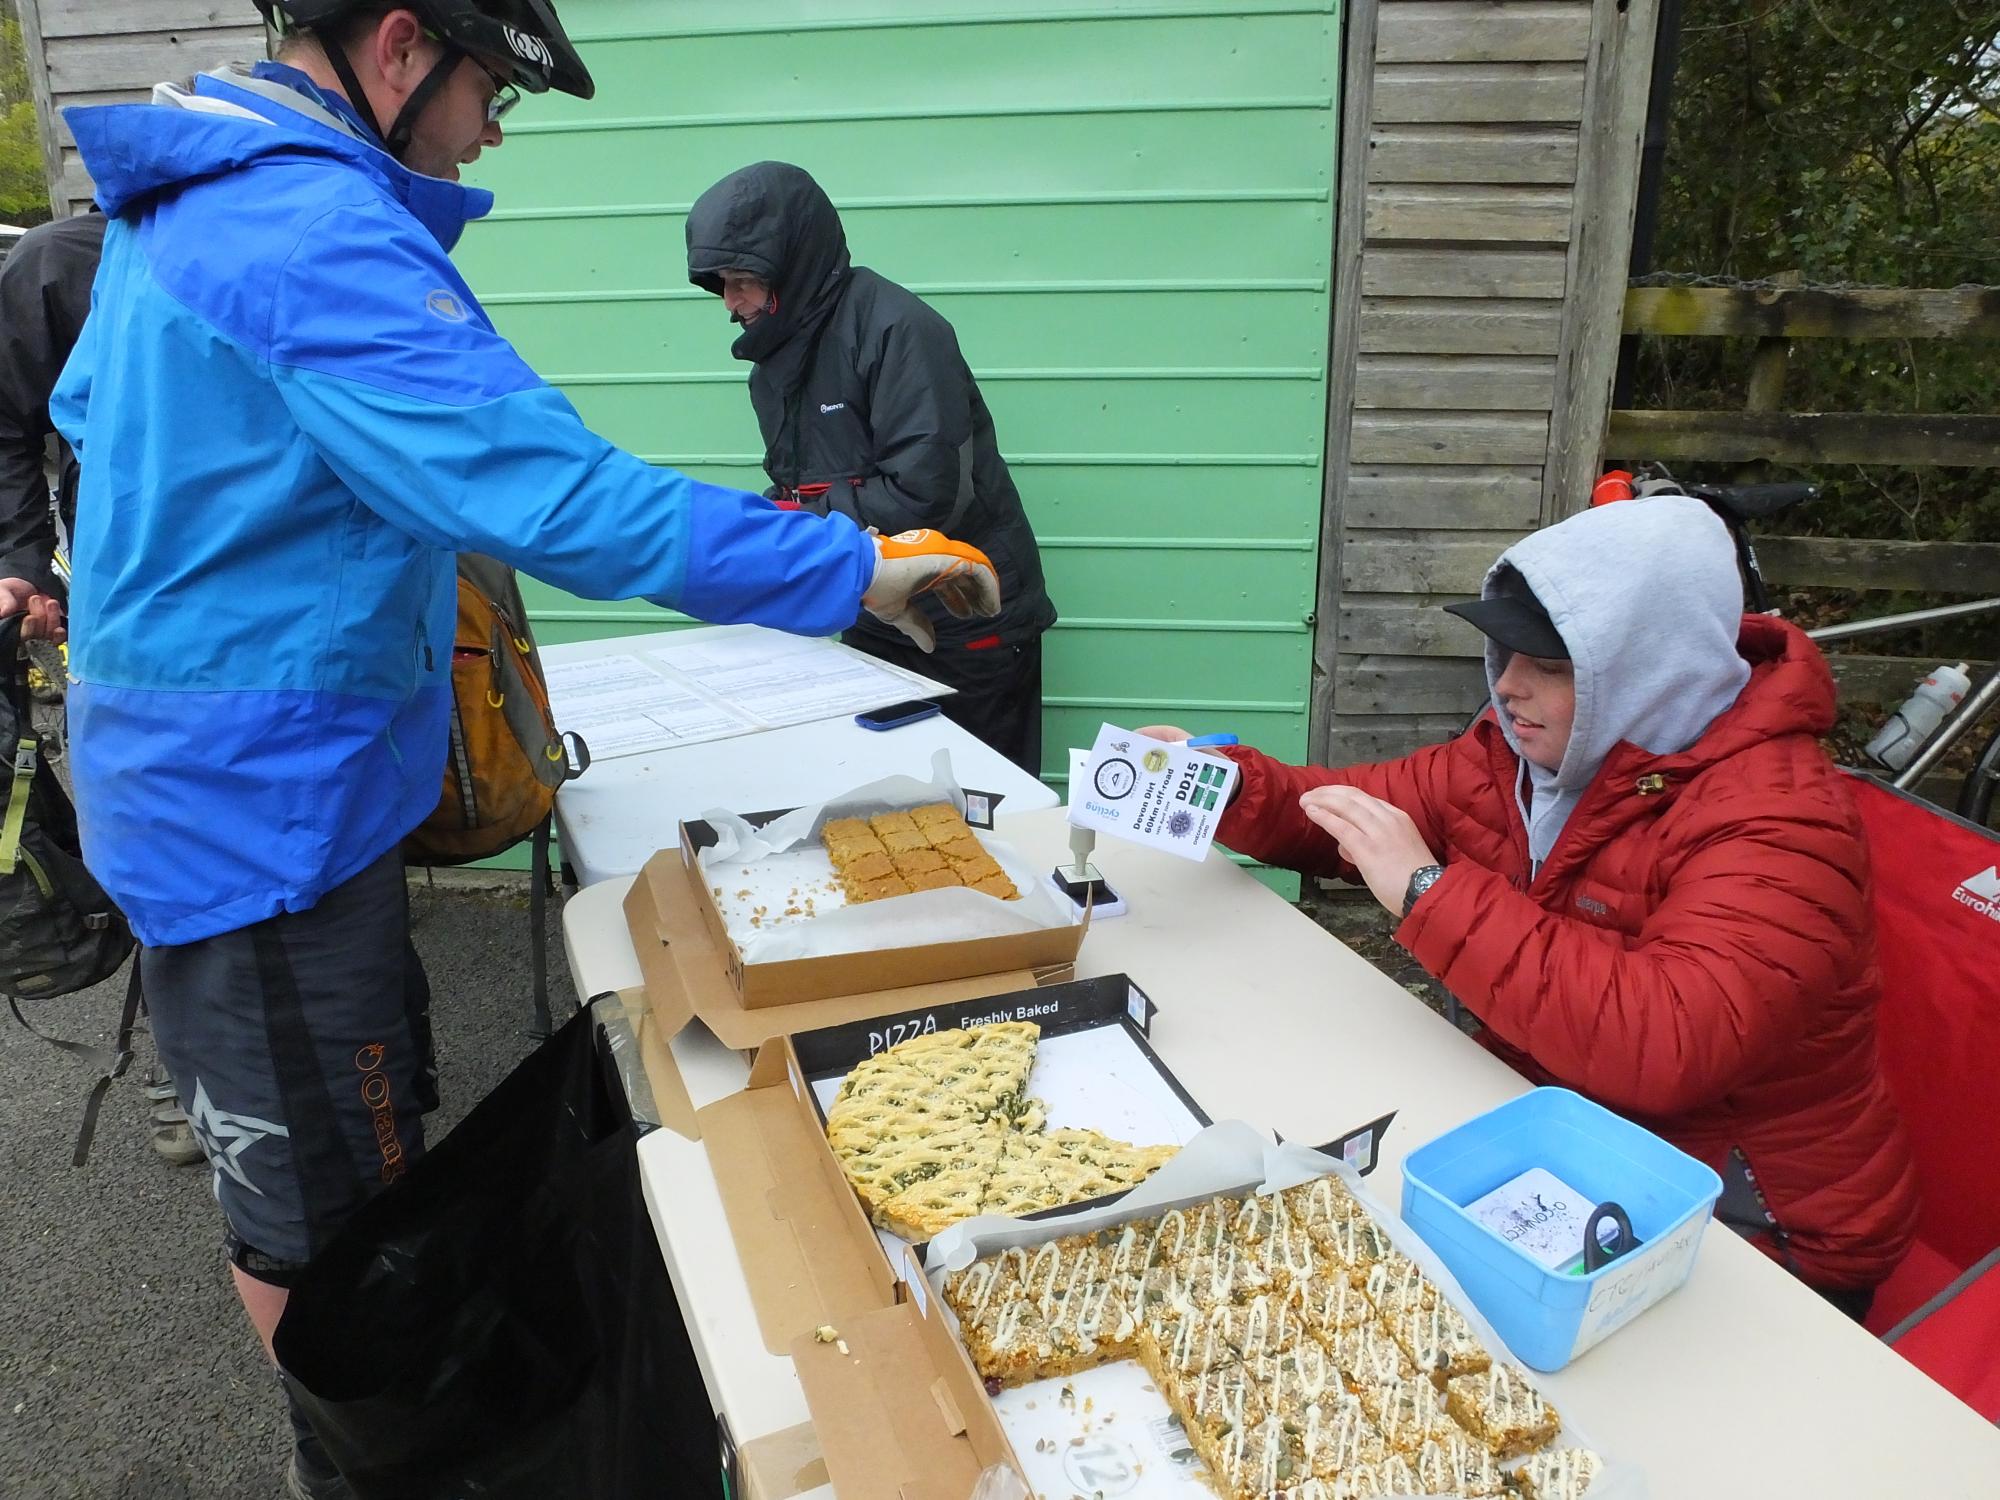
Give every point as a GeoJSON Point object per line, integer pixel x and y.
{"type": "Point", "coordinates": [499, 1323]}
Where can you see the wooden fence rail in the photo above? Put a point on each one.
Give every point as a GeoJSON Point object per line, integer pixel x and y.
{"type": "Point", "coordinates": [1808, 313]}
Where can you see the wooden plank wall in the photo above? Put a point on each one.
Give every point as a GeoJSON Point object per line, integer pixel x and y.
{"type": "Point", "coordinates": [110, 51]}
{"type": "Point", "coordinates": [1489, 158]}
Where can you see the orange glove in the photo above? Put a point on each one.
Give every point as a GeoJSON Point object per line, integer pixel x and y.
{"type": "Point", "coordinates": [918, 562]}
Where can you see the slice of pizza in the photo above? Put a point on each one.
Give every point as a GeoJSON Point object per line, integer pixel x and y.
{"type": "Point", "coordinates": [946, 1075]}
{"type": "Point", "coordinates": [937, 1200]}
{"type": "Point", "coordinates": [892, 1166]}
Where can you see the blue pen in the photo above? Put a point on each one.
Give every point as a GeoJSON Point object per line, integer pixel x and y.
{"type": "Point", "coordinates": [1206, 741]}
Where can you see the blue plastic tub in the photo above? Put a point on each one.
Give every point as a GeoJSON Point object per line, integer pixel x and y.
{"type": "Point", "coordinates": [1550, 1317]}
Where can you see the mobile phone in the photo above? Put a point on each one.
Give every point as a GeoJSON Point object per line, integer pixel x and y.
{"type": "Point", "coordinates": [897, 714]}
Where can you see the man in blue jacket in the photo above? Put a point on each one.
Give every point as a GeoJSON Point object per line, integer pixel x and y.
{"type": "Point", "coordinates": [290, 413]}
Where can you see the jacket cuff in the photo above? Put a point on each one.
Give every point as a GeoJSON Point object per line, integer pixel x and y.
{"type": "Point", "coordinates": [1435, 927]}
{"type": "Point", "coordinates": [1248, 808]}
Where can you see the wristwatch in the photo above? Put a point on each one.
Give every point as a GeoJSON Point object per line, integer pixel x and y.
{"type": "Point", "coordinates": [1421, 880]}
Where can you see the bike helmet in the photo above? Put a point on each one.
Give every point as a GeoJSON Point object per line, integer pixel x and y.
{"type": "Point", "coordinates": [523, 34]}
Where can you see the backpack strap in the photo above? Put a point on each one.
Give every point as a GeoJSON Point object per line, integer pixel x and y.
{"type": "Point", "coordinates": [110, 1062]}
{"type": "Point", "coordinates": [538, 903]}
{"type": "Point", "coordinates": [17, 803]}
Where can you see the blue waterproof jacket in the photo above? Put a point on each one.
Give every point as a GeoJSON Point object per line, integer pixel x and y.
{"type": "Point", "coordinates": [291, 412]}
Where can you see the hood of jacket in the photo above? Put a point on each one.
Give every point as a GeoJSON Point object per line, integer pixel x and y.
{"type": "Point", "coordinates": [773, 219]}
{"type": "Point", "coordinates": [237, 118]}
{"type": "Point", "coordinates": [1646, 595]}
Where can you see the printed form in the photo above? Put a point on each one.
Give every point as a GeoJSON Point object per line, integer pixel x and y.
{"type": "Point", "coordinates": [719, 684]}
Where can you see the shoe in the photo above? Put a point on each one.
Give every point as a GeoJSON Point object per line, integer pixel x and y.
{"type": "Point", "coordinates": [167, 1127]}
{"type": "Point", "coordinates": [310, 1475]}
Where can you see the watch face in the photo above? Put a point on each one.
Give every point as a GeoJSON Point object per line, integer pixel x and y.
{"type": "Point", "coordinates": [1116, 778]}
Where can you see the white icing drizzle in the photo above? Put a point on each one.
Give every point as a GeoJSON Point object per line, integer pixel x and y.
{"type": "Point", "coordinates": [1511, 1402]}
{"type": "Point", "coordinates": [1194, 1334]}
{"type": "Point", "coordinates": [985, 1285]}
{"type": "Point", "coordinates": [1442, 1335]}
{"type": "Point", "coordinates": [1398, 1282]}
{"type": "Point", "coordinates": [1376, 1356]}
{"type": "Point", "coordinates": [1406, 1406]}
{"type": "Point", "coordinates": [1171, 1223]}
{"type": "Point", "coordinates": [1341, 1306]}
{"type": "Point", "coordinates": [1358, 1239]}
{"type": "Point", "coordinates": [1007, 1327]}
{"type": "Point", "coordinates": [1564, 1473]}
{"type": "Point", "coordinates": [1325, 1201]}
{"type": "Point", "coordinates": [1455, 1462]}
{"type": "Point", "coordinates": [1338, 1431]}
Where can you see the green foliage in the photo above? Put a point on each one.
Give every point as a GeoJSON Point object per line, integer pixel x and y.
{"type": "Point", "coordinates": [1844, 141]}
{"type": "Point", "coordinates": [23, 191]}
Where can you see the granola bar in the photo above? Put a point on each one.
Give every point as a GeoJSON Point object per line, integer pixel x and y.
{"type": "Point", "coordinates": [1408, 1413]}
{"type": "Point", "coordinates": [1503, 1410]}
{"type": "Point", "coordinates": [1397, 1285]}
{"type": "Point", "coordinates": [1559, 1474]}
{"type": "Point", "coordinates": [1440, 1341]}
{"type": "Point", "coordinates": [1367, 1355]}
{"type": "Point", "coordinates": [1457, 1465]}
{"type": "Point", "coordinates": [1336, 1437]}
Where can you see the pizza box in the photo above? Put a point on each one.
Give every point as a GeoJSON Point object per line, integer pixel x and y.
{"type": "Point", "coordinates": [901, 1411]}
{"type": "Point", "coordinates": [1094, 1067]}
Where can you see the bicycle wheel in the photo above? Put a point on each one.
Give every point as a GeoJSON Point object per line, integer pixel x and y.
{"type": "Point", "coordinates": [1976, 800]}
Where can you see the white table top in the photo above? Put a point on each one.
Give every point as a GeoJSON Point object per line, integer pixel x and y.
{"type": "Point", "coordinates": [620, 812]}
{"type": "Point", "coordinates": [1741, 1383]}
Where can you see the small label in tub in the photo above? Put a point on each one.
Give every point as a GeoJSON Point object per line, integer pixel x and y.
{"type": "Point", "coordinates": [1538, 1212]}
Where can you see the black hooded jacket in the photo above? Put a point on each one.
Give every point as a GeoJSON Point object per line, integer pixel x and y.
{"type": "Point", "coordinates": [866, 405]}
{"type": "Point", "coordinates": [44, 298]}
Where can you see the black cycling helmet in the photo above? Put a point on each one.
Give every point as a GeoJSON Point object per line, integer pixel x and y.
{"type": "Point", "coordinates": [524, 34]}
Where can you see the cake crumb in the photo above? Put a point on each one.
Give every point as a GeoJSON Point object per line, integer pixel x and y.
{"type": "Point", "coordinates": [826, 1333]}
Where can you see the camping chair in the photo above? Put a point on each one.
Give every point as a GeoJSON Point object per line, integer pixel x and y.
{"type": "Point", "coordinates": [1937, 923]}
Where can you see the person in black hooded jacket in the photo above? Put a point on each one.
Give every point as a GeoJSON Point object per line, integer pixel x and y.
{"type": "Point", "coordinates": [867, 407]}
{"type": "Point", "coordinates": [44, 298]}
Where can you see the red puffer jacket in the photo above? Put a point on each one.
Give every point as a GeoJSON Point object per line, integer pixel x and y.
{"type": "Point", "coordinates": [1696, 952]}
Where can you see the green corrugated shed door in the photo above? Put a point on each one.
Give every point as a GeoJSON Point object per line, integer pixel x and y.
{"type": "Point", "coordinates": [1126, 210]}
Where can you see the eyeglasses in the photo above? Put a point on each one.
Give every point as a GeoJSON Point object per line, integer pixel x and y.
{"type": "Point", "coordinates": [505, 94]}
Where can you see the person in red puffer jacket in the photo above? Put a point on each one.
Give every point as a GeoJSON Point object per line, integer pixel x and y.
{"type": "Point", "coordinates": [1642, 873]}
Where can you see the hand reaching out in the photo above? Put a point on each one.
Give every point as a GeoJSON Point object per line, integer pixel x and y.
{"type": "Point", "coordinates": [1378, 838]}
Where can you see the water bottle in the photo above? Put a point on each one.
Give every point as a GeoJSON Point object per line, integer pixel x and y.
{"type": "Point", "coordinates": [1937, 695]}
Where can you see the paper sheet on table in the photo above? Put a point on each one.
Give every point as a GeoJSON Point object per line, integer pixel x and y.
{"type": "Point", "coordinates": [1123, 1424]}
{"type": "Point", "coordinates": [621, 706]}
{"type": "Point", "coordinates": [780, 680]}
{"type": "Point", "coordinates": [776, 866]}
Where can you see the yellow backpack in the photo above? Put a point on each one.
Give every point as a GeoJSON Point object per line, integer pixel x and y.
{"type": "Point", "coordinates": [505, 758]}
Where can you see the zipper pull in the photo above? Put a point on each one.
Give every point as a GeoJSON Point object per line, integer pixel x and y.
{"type": "Point", "coordinates": [1650, 785]}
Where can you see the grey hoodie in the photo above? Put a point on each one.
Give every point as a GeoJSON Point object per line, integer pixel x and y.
{"type": "Point", "coordinates": [1647, 597]}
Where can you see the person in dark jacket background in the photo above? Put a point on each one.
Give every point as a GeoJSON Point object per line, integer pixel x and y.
{"type": "Point", "coordinates": [868, 408]}
{"type": "Point", "coordinates": [44, 298]}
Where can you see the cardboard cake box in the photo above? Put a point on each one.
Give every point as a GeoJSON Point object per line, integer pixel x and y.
{"type": "Point", "coordinates": [685, 963]}
{"type": "Point", "coordinates": [901, 1410]}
